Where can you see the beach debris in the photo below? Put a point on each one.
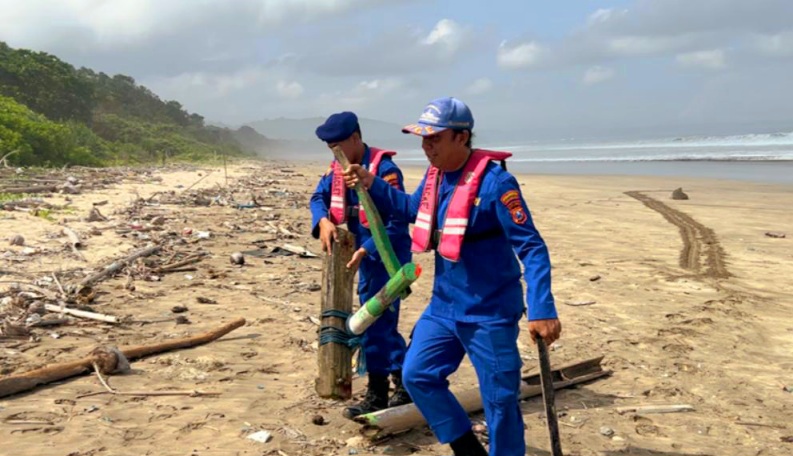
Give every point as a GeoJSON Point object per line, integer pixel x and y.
{"type": "Point", "coordinates": [319, 420]}
{"type": "Point", "coordinates": [676, 408]}
{"type": "Point", "coordinates": [290, 249]}
{"type": "Point", "coordinates": [772, 234]}
{"type": "Point", "coordinates": [106, 359]}
{"type": "Point", "coordinates": [606, 431]}
{"type": "Point", "coordinates": [580, 303]}
{"type": "Point", "coordinates": [237, 258]}
{"type": "Point", "coordinates": [594, 278]}
{"type": "Point", "coordinates": [260, 436]}
{"type": "Point", "coordinates": [678, 194]}
{"type": "Point", "coordinates": [16, 239]}
{"type": "Point", "coordinates": [95, 216]}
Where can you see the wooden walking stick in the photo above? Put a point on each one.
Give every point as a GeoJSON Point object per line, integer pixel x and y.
{"type": "Point", "coordinates": [546, 377]}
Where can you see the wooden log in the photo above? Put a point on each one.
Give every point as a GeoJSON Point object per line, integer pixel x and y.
{"type": "Point", "coordinates": [13, 384]}
{"type": "Point", "coordinates": [35, 189]}
{"type": "Point", "coordinates": [405, 417]}
{"type": "Point", "coordinates": [115, 267]}
{"type": "Point", "coordinates": [335, 359]}
{"type": "Point", "coordinates": [81, 313]}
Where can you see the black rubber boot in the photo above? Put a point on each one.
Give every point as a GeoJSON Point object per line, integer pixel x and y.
{"type": "Point", "coordinates": [400, 396]}
{"type": "Point", "coordinates": [376, 397]}
{"type": "Point", "coordinates": [468, 445]}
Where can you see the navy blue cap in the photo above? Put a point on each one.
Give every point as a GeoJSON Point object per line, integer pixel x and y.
{"type": "Point", "coordinates": [338, 127]}
{"type": "Point", "coordinates": [440, 114]}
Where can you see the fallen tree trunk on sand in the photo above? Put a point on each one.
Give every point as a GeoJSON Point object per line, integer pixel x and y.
{"type": "Point", "coordinates": [106, 359]}
{"type": "Point", "coordinates": [405, 417]}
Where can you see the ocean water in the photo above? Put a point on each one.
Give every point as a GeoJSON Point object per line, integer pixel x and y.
{"type": "Point", "coordinates": [763, 158]}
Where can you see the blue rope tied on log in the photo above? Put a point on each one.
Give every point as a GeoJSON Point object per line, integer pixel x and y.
{"type": "Point", "coordinates": [328, 334]}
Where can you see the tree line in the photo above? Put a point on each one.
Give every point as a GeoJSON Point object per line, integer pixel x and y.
{"type": "Point", "coordinates": [53, 114]}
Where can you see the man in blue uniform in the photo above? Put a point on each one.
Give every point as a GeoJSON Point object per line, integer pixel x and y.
{"type": "Point", "coordinates": [333, 203]}
{"type": "Point", "coordinates": [477, 301]}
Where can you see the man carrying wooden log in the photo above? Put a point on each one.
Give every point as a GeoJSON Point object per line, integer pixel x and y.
{"type": "Point", "coordinates": [472, 213]}
{"type": "Point", "coordinates": [333, 204]}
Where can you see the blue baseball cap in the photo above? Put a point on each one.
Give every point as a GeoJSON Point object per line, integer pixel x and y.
{"type": "Point", "coordinates": [338, 127]}
{"type": "Point", "coordinates": [440, 114]}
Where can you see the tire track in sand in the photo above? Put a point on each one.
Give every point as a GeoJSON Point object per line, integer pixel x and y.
{"type": "Point", "coordinates": [698, 240]}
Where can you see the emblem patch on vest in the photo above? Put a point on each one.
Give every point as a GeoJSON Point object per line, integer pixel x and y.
{"type": "Point", "coordinates": [511, 199]}
{"type": "Point", "coordinates": [392, 179]}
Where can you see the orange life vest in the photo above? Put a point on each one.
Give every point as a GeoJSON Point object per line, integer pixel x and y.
{"type": "Point", "coordinates": [456, 221]}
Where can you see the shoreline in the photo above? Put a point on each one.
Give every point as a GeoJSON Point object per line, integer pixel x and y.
{"type": "Point", "coordinates": [765, 173]}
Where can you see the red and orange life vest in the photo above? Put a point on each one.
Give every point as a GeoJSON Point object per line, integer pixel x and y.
{"type": "Point", "coordinates": [338, 192]}
{"type": "Point", "coordinates": [456, 222]}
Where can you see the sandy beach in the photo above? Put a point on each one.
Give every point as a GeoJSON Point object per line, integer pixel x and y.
{"type": "Point", "coordinates": [688, 301]}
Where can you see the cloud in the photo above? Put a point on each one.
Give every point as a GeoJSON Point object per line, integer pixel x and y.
{"type": "Point", "coordinates": [446, 34]}
{"type": "Point", "coordinates": [713, 60]}
{"type": "Point", "coordinates": [289, 89]}
{"type": "Point", "coordinates": [480, 86]}
{"type": "Point", "coordinates": [630, 46]}
{"type": "Point", "coordinates": [666, 29]}
{"type": "Point", "coordinates": [363, 93]}
{"type": "Point", "coordinates": [602, 16]}
{"type": "Point", "coordinates": [398, 51]}
{"type": "Point", "coordinates": [122, 22]}
{"type": "Point", "coordinates": [597, 74]}
{"type": "Point", "coordinates": [519, 56]}
{"type": "Point", "coordinates": [774, 45]}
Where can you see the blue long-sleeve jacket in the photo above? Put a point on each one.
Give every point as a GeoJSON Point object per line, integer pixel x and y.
{"type": "Point", "coordinates": [396, 228]}
{"type": "Point", "coordinates": [485, 283]}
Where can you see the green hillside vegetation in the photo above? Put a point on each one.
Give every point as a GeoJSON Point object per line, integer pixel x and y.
{"type": "Point", "coordinates": [52, 114]}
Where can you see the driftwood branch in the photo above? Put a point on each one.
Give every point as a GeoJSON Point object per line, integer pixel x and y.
{"type": "Point", "coordinates": [179, 264]}
{"type": "Point", "coordinates": [18, 383]}
{"type": "Point", "coordinates": [115, 267]}
{"type": "Point", "coordinates": [3, 160]}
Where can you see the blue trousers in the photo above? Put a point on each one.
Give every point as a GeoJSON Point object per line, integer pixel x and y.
{"type": "Point", "coordinates": [437, 347]}
{"type": "Point", "coordinates": [383, 346]}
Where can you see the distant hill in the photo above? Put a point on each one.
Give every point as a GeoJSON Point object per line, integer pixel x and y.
{"type": "Point", "coordinates": [374, 131]}
{"type": "Point", "coordinates": [53, 114]}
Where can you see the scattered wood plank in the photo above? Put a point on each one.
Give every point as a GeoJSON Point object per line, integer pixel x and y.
{"type": "Point", "coordinates": [14, 384]}
{"type": "Point", "coordinates": [405, 417]}
{"type": "Point", "coordinates": [81, 313]}
{"type": "Point", "coordinates": [655, 409]}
